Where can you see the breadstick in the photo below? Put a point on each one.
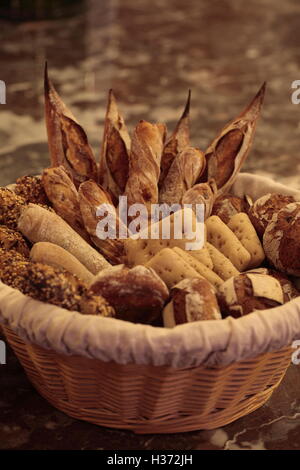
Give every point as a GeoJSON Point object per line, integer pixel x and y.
{"type": "Point", "coordinates": [221, 264]}
{"type": "Point", "coordinates": [205, 272]}
{"type": "Point", "coordinates": [184, 172]}
{"type": "Point", "coordinates": [63, 194]}
{"type": "Point", "coordinates": [177, 141]}
{"type": "Point", "coordinates": [242, 227]}
{"type": "Point", "coordinates": [58, 257]}
{"type": "Point", "coordinates": [219, 235]}
{"type": "Point", "coordinates": [114, 159]}
{"type": "Point", "coordinates": [40, 225]}
{"type": "Point", "coordinates": [171, 267]}
{"type": "Point", "coordinates": [91, 197]}
{"type": "Point", "coordinates": [144, 164]}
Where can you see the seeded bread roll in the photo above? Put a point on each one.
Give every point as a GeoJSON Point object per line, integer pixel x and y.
{"type": "Point", "coordinates": [247, 292]}
{"type": "Point", "coordinates": [32, 190]}
{"type": "Point", "coordinates": [281, 239]}
{"type": "Point", "coordinates": [261, 212]}
{"type": "Point", "coordinates": [228, 205]}
{"type": "Point", "coordinates": [191, 300]}
{"type": "Point", "coordinates": [13, 240]}
{"type": "Point", "coordinates": [10, 208]}
{"type": "Point", "coordinates": [137, 295]}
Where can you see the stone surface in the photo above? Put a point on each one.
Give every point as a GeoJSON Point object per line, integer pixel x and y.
{"type": "Point", "coordinates": [151, 53]}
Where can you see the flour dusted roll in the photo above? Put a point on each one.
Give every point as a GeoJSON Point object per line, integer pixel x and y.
{"type": "Point", "coordinates": [191, 300]}
{"type": "Point", "coordinates": [249, 291]}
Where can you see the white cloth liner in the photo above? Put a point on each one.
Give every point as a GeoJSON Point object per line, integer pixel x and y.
{"type": "Point", "coordinates": [211, 343]}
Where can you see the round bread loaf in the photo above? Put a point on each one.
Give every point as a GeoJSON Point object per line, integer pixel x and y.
{"type": "Point", "coordinates": [281, 239]}
{"type": "Point", "coordinates": [247, 292]}
{"type": "Point", "coordinates": [191, 300]}
{"type": "Point", "coordinates": [290, 291]}
{"type": "Point", "coordinates": [228, 205]}
{"type": "Point", "coordinates": [261, 212]}
{"type": "Point", "coordinates": [137, 295]}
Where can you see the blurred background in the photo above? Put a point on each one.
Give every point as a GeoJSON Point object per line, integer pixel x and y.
{"type": "Point", "coordinates": [151, 53]}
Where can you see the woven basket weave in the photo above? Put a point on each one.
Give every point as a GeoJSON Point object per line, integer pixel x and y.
{"type": "Point", "coordinates": [147, 379]}
{"type": "Point", "coordinates": [151, 399]}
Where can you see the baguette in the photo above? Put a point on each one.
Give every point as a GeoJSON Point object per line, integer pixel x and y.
{"type": "Point", "coordinates": [40, 225]}
{"type": "Point", "coordinates": [58, 257]}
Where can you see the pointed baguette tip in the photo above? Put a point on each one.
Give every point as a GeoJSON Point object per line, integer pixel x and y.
{"type": "Point", "coordinates": [186, 111]}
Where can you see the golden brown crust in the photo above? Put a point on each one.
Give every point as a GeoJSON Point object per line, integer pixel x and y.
{"type": "Point", "coordinates": [63, 195]}
{"type": "Point", "coordinates": [227, 205]}
{"type": "Point", "coordinates": [137, 294]}
{"type": "Point", "coordinates": [68, 143]}
{"type": "Point", "coordinates": [179, 139]}
{"type": "Point", "coordinates": [91, 196]}
{"type": "Point", "coordinates": [13, 240]}
{"type": "Point", "coordinates": [237, 296]}
{"type": "Point", "coordinates": [92, 304]}
{"type": "Point", "coordinates": [263, 209]}
{"type": "Point", "coordinates": [184, 172]}
{"type": "Point", "coordinates": [114, 159]}
{"type": "Point", "coordinates": [281, 239]}
{"type": "Point", "coordinates": [144, 164]}
{"type": "Point", "coordinates": [10, 208]}
{"type": "Point", "coordinates": [32, 190]}
{"type": "Point", "coordinates": [229, 149]}
{"type": "Point", "coordinates": [192, 300]}
{"type": "Point", "coordinates": [202, 193]}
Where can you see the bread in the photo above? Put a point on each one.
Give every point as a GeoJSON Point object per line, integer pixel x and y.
{"type": "Point", "coordinates": [91, 197]}
{"type": "Point", "coordinates": [141, 250]}
{"type": "Point", "coordinates": [68, 143]}
{"type": "Point", "coordinates": [203, 256]}
{"type": "Point", "coordinates": [32, 190]}
{"type": "Point", "coordinates": [13, 240]}
{"type": "Point", "coordinates": [289, 290]}
{"type": "Point", "coordinates": [263, 209]}
{"type": "Point", "coordinates": [191, 300]}
{"type": "Point", "coordinates": [144, 164]}
{"type": "Point", "coordinates": [228, 151]}
{"type": "Point", "coordinates": [247, 292]}
{"type": "Point", "coordinates": [63, 195]}
{"type": "Point", "coordinates": [227, 205]}
{"type": "Point", "coordinates": [39, 225]}
{"type": "Point", "coordinates": [10, 208]}
{"type": "Point", "coordinates": [178, 140]}
{"type": "Point", "coordinates": [202, 193]}
{"type": "Point", "coordinates": [222, 265]}
{"type": "Point", "coordinates": [58, 257]}
{"type": "Point", "coordinates": [171, 267]}
{"type": "Point", "coordinates": [281, 240]}
{"type": "Point", "coordinates": [222, 238]}
{"type": "Point", "coordinates": [137, 294]}
{"type": "Point", "coordinates": [114, 159]}
{"type": "Point", "coordinates": [183, 173]}
{"type": "Point", "coordinates": [199, 267]}
{"type": "Point", "coordinates": [241, 226]}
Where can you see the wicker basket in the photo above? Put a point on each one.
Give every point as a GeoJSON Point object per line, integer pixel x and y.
{"type": "Point", "coordinates": [208, 387]}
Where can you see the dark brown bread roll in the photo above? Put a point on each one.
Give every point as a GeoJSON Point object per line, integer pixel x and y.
{"type": "Point", "coordinates": [262, 211]}
{"type": "Point", "coordinates": [137, 294]}
{"type": "Point", "coordinates": [247, 292]}
{"type": "Point", "coordinates": [191, 300]}
{"type": "Point", "coordinates": [228, 205]}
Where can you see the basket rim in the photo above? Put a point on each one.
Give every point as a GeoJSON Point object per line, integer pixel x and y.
{"type": "Point", "coordinates": [208, 343]}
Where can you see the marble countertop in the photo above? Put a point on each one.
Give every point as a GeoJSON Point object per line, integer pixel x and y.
{"type": "Point", "coordinates": [151, 53]}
